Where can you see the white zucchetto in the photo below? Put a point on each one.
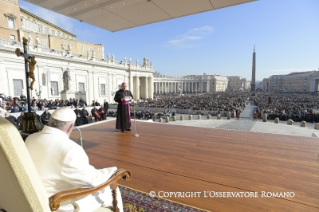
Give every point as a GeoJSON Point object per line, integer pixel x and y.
{"type": "Point", "coordinates": [64, 114]}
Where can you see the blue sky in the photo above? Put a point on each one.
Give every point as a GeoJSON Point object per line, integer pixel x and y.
{"type": "Point", "coordinates": [285, 32]}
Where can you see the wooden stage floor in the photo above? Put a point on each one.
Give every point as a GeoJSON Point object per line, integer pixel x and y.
{"type": "Point", "coordinates": [172, 158]}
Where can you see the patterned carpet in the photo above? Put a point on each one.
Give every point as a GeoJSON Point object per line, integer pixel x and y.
{"type": "Point", "coordinates": [136, 201]}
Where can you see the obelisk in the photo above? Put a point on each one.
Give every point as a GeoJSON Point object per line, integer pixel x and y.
{"type": "Point", "coordinates": [253, 74]}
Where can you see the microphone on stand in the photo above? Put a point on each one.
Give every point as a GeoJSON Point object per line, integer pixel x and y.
{"type": "Point", "coordinates": [136, 132]}
{"type": "Point", "coordinates": [80, 138]}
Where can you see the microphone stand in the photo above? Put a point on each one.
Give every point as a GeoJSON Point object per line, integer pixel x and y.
{"type": "Point", "coordinates": [136, 132]}
{"type": "Point", "coordinates": [80, 139]}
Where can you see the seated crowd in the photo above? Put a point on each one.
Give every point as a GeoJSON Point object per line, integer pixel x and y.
{"type": "Point", "coordinates": [83, 116]}
{"type": "Point", "coordinates": [295, 106]}
{"type": "Point", "coordinates": [220, 102]}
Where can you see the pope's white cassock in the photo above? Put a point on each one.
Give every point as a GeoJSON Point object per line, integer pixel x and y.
{"type": "Point", "coordinates": [63, 164]}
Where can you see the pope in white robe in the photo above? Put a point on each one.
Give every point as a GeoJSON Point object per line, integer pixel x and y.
{"type": "Point", "coordinates": [63, 164]}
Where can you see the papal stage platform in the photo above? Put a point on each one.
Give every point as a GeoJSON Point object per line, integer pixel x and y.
{"type": "Point", "coordinates": [167, 158]}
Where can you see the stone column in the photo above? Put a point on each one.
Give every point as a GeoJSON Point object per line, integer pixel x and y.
{"type": "Point", "coordinates": [150, 87]}
{"type": "Point", "coordinates": [131, 83]}
{"type": "Point", "coordinates": [145, 87]}
{"type": "Point", "coordinates": [163, 87]}
{"type": "Point", "coordinates": [137, 88]}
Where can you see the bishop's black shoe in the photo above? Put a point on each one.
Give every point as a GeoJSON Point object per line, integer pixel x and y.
{"type": "Point", "coordinates": [122, 130]}
{"type": "Point", "coordinates": [128, 129]}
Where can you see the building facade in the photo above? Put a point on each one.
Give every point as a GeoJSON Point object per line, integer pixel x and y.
{"type": "Point", "coordinates": [236, 83]}
{"type": "Point", "coordinates": [198, 84]}
{"type": "Point", "coordinates": [294, 82]}
{"type": "Point", "coordinates": [92, 76]}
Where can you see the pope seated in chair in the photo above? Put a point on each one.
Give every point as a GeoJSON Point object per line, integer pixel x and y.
{"type": "Point", "coordinates": [62, 164]}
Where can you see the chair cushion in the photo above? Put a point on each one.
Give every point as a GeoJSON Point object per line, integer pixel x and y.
{"type": "Point", "coordinates": [20, 180]}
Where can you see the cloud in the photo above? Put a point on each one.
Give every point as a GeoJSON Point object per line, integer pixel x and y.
{"type": "Point", "coordinates": [187, 40]}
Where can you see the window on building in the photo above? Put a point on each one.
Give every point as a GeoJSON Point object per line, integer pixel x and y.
{"type": "Point", "coordinates": [81, 48]}
{"type": "Point", "coordinates": [40, 28]}
{"type": "Point", "coordinates": [34, 26]}
{"type": "Point", "coordinates": [81, 86]}
{"type": "Point", "coordinates": [52, 32]}
{"type": "Point", "coordinates": [44, 42]}
{"type": "Point", "coordinates": [44, 79]}
{"type": "Point", "coordinates": [54, 88]}
{"type": "Point", "coordinates": [58, 34]}
{"type": "Point", "coordinates": [47, 31]}
{"type": "Point", "coordinates": [12, 37]}
{"type": "Point", "coordinates": [99, 50]}
{"type": "Point", "coordinates": [102, 87]}
{"type": "Point", "coordinates": [17, 87]}
{"type": "Point", "coordinates": [28, 24]}
{"type": "Point", "coordinates": [10, 22]}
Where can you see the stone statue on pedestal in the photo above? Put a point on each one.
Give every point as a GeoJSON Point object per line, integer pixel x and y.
{"type": "Point", "coordinates": [88, 54]}
{"type": "Point", "coordinates": [108, 57]}
{"type": "Point", "coordinates": [70, 47]}
{"type": "Point", "coordinates": [30, 39]}
{"type": "Point", "coordinates": [145, 62]}
{"type": "Point", "coordinates": [38, 40]}
{"type": "Point", "coordinates": [63, 46]}
{"type": "Point", "coordinates": [67, 80]}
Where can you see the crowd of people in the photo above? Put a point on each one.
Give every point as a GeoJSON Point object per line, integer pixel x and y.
{"type": "Point", "coordinates": [83, 116]}
{"type": "Point", "coordinates": [298, 107]}
{"type": "Point", "coordinates": [220, 102]}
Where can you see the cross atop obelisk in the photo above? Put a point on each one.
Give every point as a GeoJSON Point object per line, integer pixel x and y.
{"type": "Point", "coordinates": [253, 74]}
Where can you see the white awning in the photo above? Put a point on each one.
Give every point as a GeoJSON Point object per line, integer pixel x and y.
{"type": "Point", "coordinates": [115, 15]}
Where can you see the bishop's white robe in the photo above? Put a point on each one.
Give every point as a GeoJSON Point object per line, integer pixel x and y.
{"type": "Point", "coordinates": [62, 165]}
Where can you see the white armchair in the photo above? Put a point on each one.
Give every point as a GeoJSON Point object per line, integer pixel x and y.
{"type": "Point", "coordinates": [21, 186]}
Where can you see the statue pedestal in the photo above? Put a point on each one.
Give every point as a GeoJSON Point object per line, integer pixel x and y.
{"type": "Point", "coordinates": [66, 95]}
{"type": "Point", "coordinates": [80, 95]}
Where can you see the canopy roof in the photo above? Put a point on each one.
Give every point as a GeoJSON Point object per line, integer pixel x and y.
{"type": "Point", "coordinates": [115, 15]}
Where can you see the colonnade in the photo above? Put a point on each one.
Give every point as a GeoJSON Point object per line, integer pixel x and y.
{"type": "Point", "coordinates": [177, 87]}
{"type": "Point", "coordinates": [141, 87]}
